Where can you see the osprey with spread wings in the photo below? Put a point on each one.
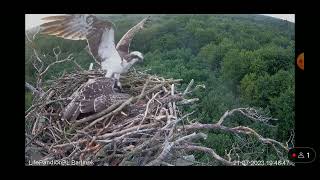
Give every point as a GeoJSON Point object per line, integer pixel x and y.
{"type": "Point", "coordinates": [99, 93]}
{"type": "Point", "coordinates": [99, 34]}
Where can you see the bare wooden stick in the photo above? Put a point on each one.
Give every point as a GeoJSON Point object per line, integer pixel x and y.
{"type": "Point", "coordinates": [168, 145]}
{"type": "Point", "coordinates": [143, 89]}
{"type": "Point", "coordinates": [188, 87]}
{"type": "Point", "coordinates": [147, 108]}
{"type": "Point", "coordinates": [238, 129]}
{"type": "Point", "coordinates": [264, 140]}
{"type": "Point", "coordinates": [91, 66]}
{"type": "Point", "coordinates": [251, 113]}
{"type": "Point", "coordinates": [188, 101]}
{"type": "Point", "coordinates": [31, 88]}
{"type": "Point", "coordinates": [108, 135]}
{"type": "Point", "coordinates": [110, 114]}
{"type": "Point", "coordinates": [78, 65]}
{"type": "Point", "coordinates": [69, 58]}
{"type": "Point", "coordinates": [210, 152]}
{"type": "Point", "coordinates": [124, 135]}
{"type": "Point", "coordinates": [70, 143]}
{"type": "Point", "coordinates": [97, 115]}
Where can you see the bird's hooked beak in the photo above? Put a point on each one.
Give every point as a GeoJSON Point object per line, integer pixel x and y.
{"type": "Point", "coordinates": [147, 22]}
{"type": "Point", "coordinates": [141, 59]}
{"type": "Point", "coordinates": [137, 55]}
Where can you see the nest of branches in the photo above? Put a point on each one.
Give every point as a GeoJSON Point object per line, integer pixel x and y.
{"type": "Point", "coordinates": [148, 129]}
{"type": "Point", "coordinates": [131, 131]}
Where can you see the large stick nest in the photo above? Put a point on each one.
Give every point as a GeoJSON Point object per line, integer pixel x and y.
{"type": "Point", "coordinates": [150, 128]}
{"type": "Point", "coordinates": [135, 132]}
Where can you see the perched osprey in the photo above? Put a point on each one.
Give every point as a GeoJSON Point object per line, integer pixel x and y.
{"type": "Point", "coordinates": [99, 35]}
{"type": "Point", "coordinates": [93, 96]}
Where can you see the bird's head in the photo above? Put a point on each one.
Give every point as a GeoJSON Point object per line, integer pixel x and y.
{"type": "Point", "coordinates": [136, 55]}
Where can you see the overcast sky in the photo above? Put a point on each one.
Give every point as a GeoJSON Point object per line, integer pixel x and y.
{"type": "Point", "coordinates": [33, 20]}
{"type": "Point", "coordinates": [288, 17]}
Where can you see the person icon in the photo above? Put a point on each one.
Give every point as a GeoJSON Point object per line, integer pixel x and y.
{"type": "Point", "coordinates": [300, 156]}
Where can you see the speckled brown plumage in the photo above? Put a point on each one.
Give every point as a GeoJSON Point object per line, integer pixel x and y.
{"type": "Point", "coordinates": [95, 96]}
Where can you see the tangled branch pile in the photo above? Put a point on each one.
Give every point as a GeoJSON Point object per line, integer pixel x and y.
{"type": "Point", "coordinates": [150, 128]}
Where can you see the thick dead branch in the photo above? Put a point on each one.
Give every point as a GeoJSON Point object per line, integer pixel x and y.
{"type": "Point", "coordinates": [32, 89]}
{"type": "Point", "coordinates": [251, 113]}
{"type": "Point", "coordinates": [209, 151]}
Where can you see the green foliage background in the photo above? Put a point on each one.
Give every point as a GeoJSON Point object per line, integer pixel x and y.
{"type": "Point", "coordinates": [243, 60]}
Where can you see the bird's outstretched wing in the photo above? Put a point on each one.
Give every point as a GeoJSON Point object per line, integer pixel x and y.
{"type": "Point", "coordinates": [124, 43]}
{"type": "Point", "coordinates": [82, 27]}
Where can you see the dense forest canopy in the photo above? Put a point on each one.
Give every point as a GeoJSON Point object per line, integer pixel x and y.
{"type": "Point", "coordinates": [242, 61]}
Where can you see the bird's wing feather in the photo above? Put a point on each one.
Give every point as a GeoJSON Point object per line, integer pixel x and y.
{"type": "Point", "coordinates": [70, 110]}
{"type": "Point", "coordinates": [100, 103]}
{"type": "Point", "coordinates": [81, 27]}
{"type": "Point", "coordinates": [86, 106]}
{"type": "Point", "coordinates": [124, 43]}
